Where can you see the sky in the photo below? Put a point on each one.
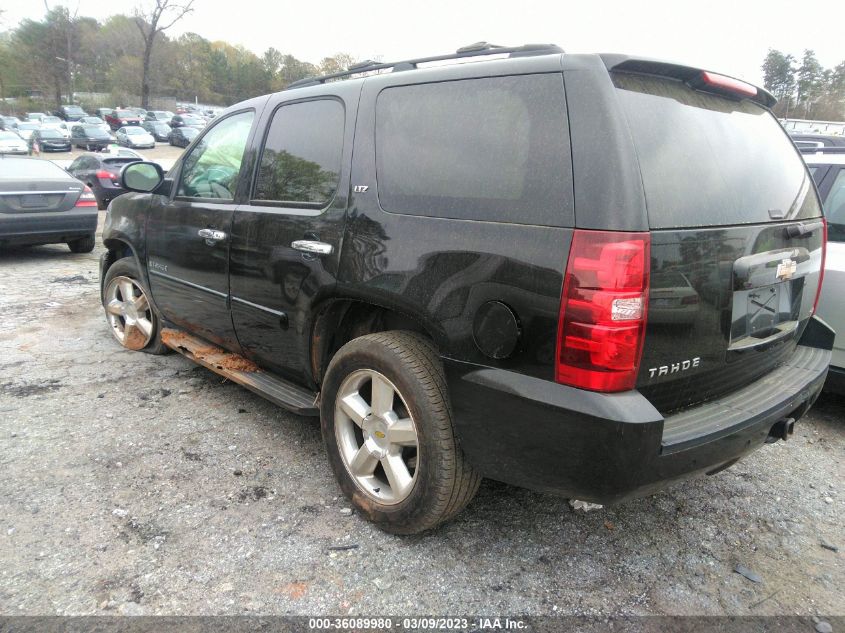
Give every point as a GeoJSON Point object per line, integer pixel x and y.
{"type": "Point", "coordinates": [731, 37]}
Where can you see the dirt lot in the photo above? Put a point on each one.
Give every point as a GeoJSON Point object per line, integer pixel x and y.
{"type": "Point", "coordinates": [137, 484]}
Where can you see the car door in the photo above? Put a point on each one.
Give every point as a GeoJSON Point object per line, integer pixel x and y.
{"type": "Point", "coordinates": [286, 238]}
{"type": "Point", "coordinates": [188, 233]}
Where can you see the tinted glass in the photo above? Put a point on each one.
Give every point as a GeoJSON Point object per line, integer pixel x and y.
{"type": "Point", "coordinates": [302, 153]}
{"type": "Point", "coordinates": [50, 134]}
{"type": "Point", "coordinates": [708, 160]}
{"type": "Point", "coordinates": [211, 169]}
{"type": "Point", "coordinates": [485, 149]}
{"type": "Point", "coordinates": [834, 209]}
{"type": "Point", "coordinates": [31, 169]}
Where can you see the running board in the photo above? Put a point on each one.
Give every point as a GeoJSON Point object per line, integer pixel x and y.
{"type": "Point", "coordinates": [242, 371]}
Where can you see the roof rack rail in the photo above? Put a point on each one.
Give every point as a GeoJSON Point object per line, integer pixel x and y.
{"type": "Point", "coordinates": [830, 149]}
{"type": "Point", "coordinates": [479, 49]}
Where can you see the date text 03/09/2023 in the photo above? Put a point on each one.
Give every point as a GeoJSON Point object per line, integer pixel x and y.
{"type": "Point", "coordinates": [419, 623]}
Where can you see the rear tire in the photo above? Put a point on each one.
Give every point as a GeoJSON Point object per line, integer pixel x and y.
{"type": "Point", "coordinates": [387, 425]}
{"type": "Point", "coordinates": [137, 326]}
{"type": "Point", "coordinates": [83, 244]}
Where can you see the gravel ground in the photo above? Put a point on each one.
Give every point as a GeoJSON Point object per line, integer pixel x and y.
{"type": "Point", "coordinates": [134, 484]}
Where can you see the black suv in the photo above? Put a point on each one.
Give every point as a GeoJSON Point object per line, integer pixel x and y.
{"type": "Point", "coordinates": [451, 265]}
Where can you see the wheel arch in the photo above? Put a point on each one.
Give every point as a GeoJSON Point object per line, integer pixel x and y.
{"type": "Point", "coordinates": [340, 319]}
{"type": "Point", "coordinates": [118, 248]}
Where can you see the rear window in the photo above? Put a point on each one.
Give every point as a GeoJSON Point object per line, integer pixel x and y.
{"type": "Point", "coordinates": [30, 169]}
{"type": "Point", "coordinates": [710, 161]}
{"type": "Point", "coordinates": [120, 161]}
{"type": "Point", "coordinates": [493, 149]}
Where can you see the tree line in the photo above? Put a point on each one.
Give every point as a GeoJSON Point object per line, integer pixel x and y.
{"type": "Point", "coordinates": [132, 57]}
{"type": "Point", "coordinates": [805, 89]}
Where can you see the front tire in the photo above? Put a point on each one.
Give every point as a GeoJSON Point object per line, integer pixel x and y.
{"type": "Point", "coordinates": [387, 424]}
{"type": "Point", "coordinates": [131, 317]}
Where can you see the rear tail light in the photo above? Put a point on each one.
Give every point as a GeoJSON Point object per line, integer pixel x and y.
{"type": "Point", "coordinates": [86, 198]}
{"type": "Point", "coordinates": [690, 300]}
{"type": "Point", "coordinates": [821, 272]}
{"type": "Point", "coordinates": [106, 174]}
{"type": "Point", "coordinates": [603, 307]}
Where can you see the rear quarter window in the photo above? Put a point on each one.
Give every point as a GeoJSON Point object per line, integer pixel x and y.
{"type": "Point", "coordinates": [707, 160]}
{"type": "Point", "coordinates": [494, 149]}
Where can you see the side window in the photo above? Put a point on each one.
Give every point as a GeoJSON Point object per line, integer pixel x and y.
{"type": "Point", "coordinates": [494, 149]}
{"type": "Point", "coordinates": [834, 209]}
{"type": "Point", "coordinates": [211, 169]}
{"type": "Point", "coordinates": [301, 160]}
{"type": "Point", "coordinates": [77, 163]}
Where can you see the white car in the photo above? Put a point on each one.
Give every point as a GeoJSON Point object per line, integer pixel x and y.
{"type": "Point", "coordinates": [828, 170]}
{"type": "Point", "coordinates": [26, 128]}
{"type": "Point", "coordinates": [122, 152]}
{"type": "Point", "coordinates": [11, 143]}
{"type": "Point", "coordinates": [55, 123]}
{"type": "Point", "coordinates": [134, 136]}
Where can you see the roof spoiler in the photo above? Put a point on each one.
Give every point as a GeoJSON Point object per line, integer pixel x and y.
{"type": "Point", "coordinates": [696, 78]}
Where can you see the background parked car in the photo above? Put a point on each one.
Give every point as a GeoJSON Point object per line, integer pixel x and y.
{"type": "Point", "coordinates": [828, 170]}
{"type": "Point", "coordinates": [26, 128]}
{"type": "Point", "coordinates": [11, 143]}
{"type": "Point", "coordinates": [180, 120]}
{"type": "Point", "coordinates": [8, 122]}
{"type": "Point", "coordinates": [118, 118]}
{"type": "Point", "coordinates": [55, 123]}
{"type": "Point", "coordinates": [35, 116]}
{"type": "Point", "coordinates": [70, 112]}
{"type": "Point", "coordinates": [101, 172]}
{"type": "Point", "coordinates": [31, 218]}
{"type": "Point", "coordinates": [49, 140]}
{"type": "Point", "coordinates": [159, 115]}
{"type": "Point", "coordinates": [159, 130]}
{"type": "Point", "coordinates": [91, 137]}
{"type": "Point", "coordinates": [103, 112]}
{"type": "Point", "coordinates": [182, 136]}
{"type": "Point", "coordinates": [96, 121]}
{"type": "Point", "coordinates": [134, 136]}
{"type": "Point", "coordinates": [803, 141]}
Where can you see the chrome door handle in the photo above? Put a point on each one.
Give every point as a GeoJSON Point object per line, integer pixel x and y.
{"type": "Point", "coordinates": [211, 235]}
{"type": "Point", "coordinates": [313, 247]}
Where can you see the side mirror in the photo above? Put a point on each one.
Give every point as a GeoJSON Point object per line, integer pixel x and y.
{"type": "Point", "coordinates": [142, 176]}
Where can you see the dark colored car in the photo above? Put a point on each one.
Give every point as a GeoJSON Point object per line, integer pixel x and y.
{"type": "Point", "coordinates": [49, 140]}
{"type": "Point", "coordinates": [91, 137]}
{"type": "Point", "coordinates": [182, 136]}
{"type": "Point", "coordinates": [163, 116]}
{"type": "Point", "coordinates": [451, 269]}
{"type": "Point", "coordinates": [41, 204]}
{"type": "Point", "coordinates": [159, 130]}
{"type": "Point", "coordinates": [70, 113]}
{"type": "Point", "coordinates": [189, 120]}
{"type": "Point", "coordinates": [101, 174]}
{"type": "Point", "coordinates": [118, 118]}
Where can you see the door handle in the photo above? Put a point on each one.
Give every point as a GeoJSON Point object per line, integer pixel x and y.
{"type": "Point", "coordinates": [211, 235]}
{"type": "Point", "coordinates": [312, 246]}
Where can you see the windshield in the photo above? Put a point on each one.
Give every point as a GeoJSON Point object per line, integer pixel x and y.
{"type": "Point", "coordinates": [28, 126]}
{"type": "Point", "coordinates": [707, 160]}
{"type": "Point", "coordinates": [9, 136]}
{"type": "Point", "coordinates": [94, 131]}
{"type": "Point", "coordinates": [123, 114]}
{"type": "Point", "coordinates": [48, 133]}
{"type": "Point", "coordinates": [74, 109]}
{"type": "Point", "coordinates": [50, 119]}
{"type": "Point", "coordinates": [189, 132]}
{"type": "Point", "coordinates": [93, 120]}
{"type": "Point", "coordinates": [133, 131]}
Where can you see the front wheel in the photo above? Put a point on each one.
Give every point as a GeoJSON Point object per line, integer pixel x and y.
{"type": "Point", "coordinates": [387, 425]}
{"type": "Point", "coordinates": [129, 312]}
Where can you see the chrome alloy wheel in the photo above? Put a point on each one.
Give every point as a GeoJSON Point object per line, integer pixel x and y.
{"type": "Point", "coordinates": [376, 436]}
{"type": "Point", "coordinates": [129, 313]}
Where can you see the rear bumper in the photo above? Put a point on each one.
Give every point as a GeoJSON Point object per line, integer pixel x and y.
{"type": "Point", "coordinates": [47, 227]}
{"type": "Point", "coordinates": [608, 447]}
